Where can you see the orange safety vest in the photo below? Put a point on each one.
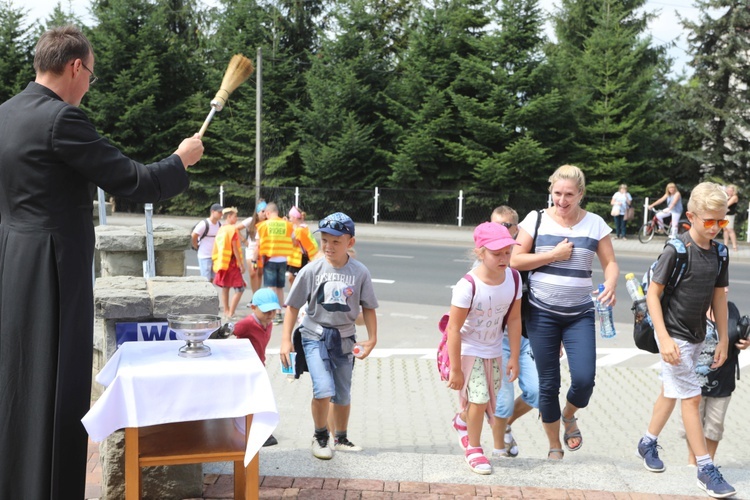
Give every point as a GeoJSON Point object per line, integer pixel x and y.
{"type": "Point", "coordinates": [222, 253]}
{"type": "Point", "coordinates": [306, 244]}
{"type": "Point", "coordinates": [275, 238]}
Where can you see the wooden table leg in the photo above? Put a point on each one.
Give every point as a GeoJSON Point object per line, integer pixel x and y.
{"type": "Point", "coordinates": [132, 469]}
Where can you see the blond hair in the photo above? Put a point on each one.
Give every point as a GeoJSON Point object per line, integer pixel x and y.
{"type": "Point", "coordinates": [707, 197]}
{"type": "Point", "coordinates": [569, 173]}
{"type": "Point", "coordinates": [506, 212]}
{"type": "Point", "coordinates": [671, 184]}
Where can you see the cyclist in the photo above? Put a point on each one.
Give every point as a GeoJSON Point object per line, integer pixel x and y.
{"type": "Point", "coordinates": [674, 208]}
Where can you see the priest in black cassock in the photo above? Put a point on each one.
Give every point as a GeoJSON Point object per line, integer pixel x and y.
{"type": "Point", "coordinates": [51, 159]}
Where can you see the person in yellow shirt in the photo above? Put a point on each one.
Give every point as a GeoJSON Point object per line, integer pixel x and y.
{"type": "Point", "coordinates": [275, 245]}
{"type": "Point", "coordinates": [306, 246]}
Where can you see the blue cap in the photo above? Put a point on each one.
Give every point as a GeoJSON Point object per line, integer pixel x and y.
{"type": "Point", "coordinates": [265, 299]}
{"type": "Point", "coordinates": [337, 224]}
{"type": "Point", "coordinates": [261, 206]}
{"type": "Point", "coordinates": [216, 207]}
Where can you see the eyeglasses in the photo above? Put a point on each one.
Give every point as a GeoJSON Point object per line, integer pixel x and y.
{"type": "Point", "coordinates": [507, 225]}
{"type": "Point", "coordinates": [335, 225]}
{"type": "Point", "coordinates": [92, 77]}
{"type": "Point", "coordinates": [709, 223]}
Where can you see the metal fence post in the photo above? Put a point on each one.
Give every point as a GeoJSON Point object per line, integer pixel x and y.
{"type": "Point", "coordinates": [149, 266]}
{"type": "Point", "coordinates": [460, 207]}
{"type": "Point", "coordinates": [296, 197]}
{"type": "Point", "coordinates": [221, 195]}
{"type": "Point", "coordinates": [375, 213]}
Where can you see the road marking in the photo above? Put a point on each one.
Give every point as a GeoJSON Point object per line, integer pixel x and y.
{"type": "Point", "coordinates": [193, 268]}
{"type": "Point", "coordinates": [387, 282]}
{"type": "Point", "coordinates": [408, 316]}
{"type": "Point", "coordinates": [393, 256]}
{"type": "Point", "coordinates": [613, 356]}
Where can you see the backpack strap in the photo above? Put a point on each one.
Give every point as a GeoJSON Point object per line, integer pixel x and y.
{"type": "Point", "coordinates": [468, 277]}
{"type": "Point", "coordinates": [516, 282]}
{"type": "Point", "coordinates": [680, 266]}
{"type": "Point", "coordinates": [722, 253]}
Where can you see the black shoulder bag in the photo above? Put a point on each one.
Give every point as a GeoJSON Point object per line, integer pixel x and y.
{"type": "Point", "coordinates": [525, 306]}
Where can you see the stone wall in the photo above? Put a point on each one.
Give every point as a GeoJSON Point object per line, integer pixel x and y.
{"type": "Point", "coordinates": [135, 299]}
{"type": "Point", "coordinates": [123, 249]}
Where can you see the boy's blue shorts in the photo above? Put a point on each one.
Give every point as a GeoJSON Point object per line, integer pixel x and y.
{"type": "Point", "coordinates": [337, 384]}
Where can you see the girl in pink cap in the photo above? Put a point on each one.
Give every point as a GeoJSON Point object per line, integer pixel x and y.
{"type": "Point", "coordinates": [483, 301]}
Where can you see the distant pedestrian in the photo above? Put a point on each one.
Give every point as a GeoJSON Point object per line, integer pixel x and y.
{"type": "Point", "coordinates": [560, 306]}
{"type": "Point", "coordinates": [229, 265]}
{"type": "Point", "coordinates": [729, 233]}
{"type": "Point", "coordinates": [621, 202]}
{"type": "Point", "coordinates": [254, 266]}
{"type": "Point", "coordinates": [334, 289]}
{"type": "Point", "coordinates": [508, 410]}
{"type": "Point", "coordinates": [275, 245]}
{"type": "Point", "coordinates": [305, 246]}
{"type": "Point", "coordinates": [674, 208]}
{"type": "Point", "coordinates": [475, 337]}
{"type": "Point", "coordinates": [203, 236]}
{"type": "Point", "coordinates": [680, 331]}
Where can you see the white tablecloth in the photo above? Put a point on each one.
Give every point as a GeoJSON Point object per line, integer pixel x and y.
{"type": "Point", "coordinates": [149, 384]}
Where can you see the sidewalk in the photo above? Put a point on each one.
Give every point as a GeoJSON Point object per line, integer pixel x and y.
{"type": "Point", "coordinates": [401, 416]}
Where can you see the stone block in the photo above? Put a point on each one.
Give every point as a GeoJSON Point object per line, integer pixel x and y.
{"type": "Point", "coordinates": [120, 297]}
{"type": "Point", "coordinates": [174, 481]}
{"type": "Point", "coordinates": [186, 295]}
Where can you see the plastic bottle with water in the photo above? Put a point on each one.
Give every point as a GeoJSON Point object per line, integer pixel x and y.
{"type": "Point", "coordinates": [636, 293]}
{"type": "Point", "coordinates": [604, 317]}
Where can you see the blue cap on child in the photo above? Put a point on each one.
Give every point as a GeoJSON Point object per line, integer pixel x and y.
{"type": "Point", "coordinates": [337, 224]}
{"type": "Point", "coordinates": [265, 299]}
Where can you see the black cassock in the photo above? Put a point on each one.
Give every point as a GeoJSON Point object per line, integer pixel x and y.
{"type": "Point", "coordinates": [51, 158]}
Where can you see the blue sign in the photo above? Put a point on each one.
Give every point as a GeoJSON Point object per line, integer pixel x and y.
{"type": "Point", "coordinates": [143, 331]}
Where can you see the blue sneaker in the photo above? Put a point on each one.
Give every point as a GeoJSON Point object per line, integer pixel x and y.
{"type": "Point", "coordinates": [649, 452]}
{"type": "Point", "coordinates": [712, 482]}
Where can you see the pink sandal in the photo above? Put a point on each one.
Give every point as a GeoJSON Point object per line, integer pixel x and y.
{"type": "Point", "coordinates": [477, 461]}
{"type": "Point", "coordinates": [463, 432]}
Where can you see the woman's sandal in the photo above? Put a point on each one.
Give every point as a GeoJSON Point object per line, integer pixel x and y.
{"type": "Point", "coordinates": [568, 423]}
{"type": "Point", "coordinates": [559, 451]}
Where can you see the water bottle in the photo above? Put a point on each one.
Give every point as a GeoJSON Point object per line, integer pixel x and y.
{"type": "Point", "coordinates": [636, 293]}
{"type": "Point", "coordinates": [604, 313]}
{"type": "Point", "coordinates": [358, 350]}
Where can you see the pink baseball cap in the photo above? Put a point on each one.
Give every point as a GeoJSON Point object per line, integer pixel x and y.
{"type": "Point", "coordinates": [492, 236]}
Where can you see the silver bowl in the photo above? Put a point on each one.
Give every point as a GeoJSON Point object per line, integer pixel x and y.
{"type": "Point", "coordinates": [194, 329]}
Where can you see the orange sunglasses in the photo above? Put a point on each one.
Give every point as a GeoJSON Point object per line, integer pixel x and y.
{"type": "Point", "coordinates": [709, 223]}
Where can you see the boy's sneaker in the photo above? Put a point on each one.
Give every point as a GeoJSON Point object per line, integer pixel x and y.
{"type": "Point", "coordinates": [477, 461]}
{"type": "Point", "coordinates": [511, 448]}
{"type": "Point", "coordinates": [278, 319]}
{"type": "Point", "coordinates": [320, 448]}
{"type": "Point", "coordinates": [343, 444]}
{"type": "Point", "coordinates": [649, 452]}
{"type": "Point", "coordinates": [712, 482]}
{"type": "Point", "coordinates": [463, 432]}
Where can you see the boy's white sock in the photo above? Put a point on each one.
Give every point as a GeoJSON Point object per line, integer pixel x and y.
{"type": "Point", "coordinates": [703, 461]}
{"type": "Point", "coordinates": [648, 437]}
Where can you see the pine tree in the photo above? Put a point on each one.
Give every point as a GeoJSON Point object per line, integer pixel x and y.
{"type": "Point", "coordinates": [16, 69]}
{"type": "Point", "coordinates": [720, 88]}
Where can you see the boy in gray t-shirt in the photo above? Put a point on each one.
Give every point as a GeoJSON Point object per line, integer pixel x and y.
{"type": "Point", "coordinates": [680, 329]}
{"type": "Point", "coordinates": [333, 288]}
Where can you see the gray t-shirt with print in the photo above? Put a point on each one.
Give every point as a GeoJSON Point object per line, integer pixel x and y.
{"type": "Point", "coordinates": [685, 315]}
{"type": "Point", "coordinates": [333, 295]}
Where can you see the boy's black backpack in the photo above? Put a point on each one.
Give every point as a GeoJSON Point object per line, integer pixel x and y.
{"type": "Point", "coordinates": [643, 329]}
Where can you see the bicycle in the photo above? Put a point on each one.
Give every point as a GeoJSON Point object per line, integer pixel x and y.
{"type": "Point", "coordinates": [649, 229]}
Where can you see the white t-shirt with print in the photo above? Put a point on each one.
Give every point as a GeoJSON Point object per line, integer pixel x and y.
{"type": "Point", "coordinates": [482, 332]}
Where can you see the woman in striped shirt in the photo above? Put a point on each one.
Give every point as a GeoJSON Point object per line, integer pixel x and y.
{"type": "Point", "coordinates": [561, 311]}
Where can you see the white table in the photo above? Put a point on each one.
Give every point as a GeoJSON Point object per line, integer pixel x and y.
{"type": "Point", "coordinates": [148, 384]}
